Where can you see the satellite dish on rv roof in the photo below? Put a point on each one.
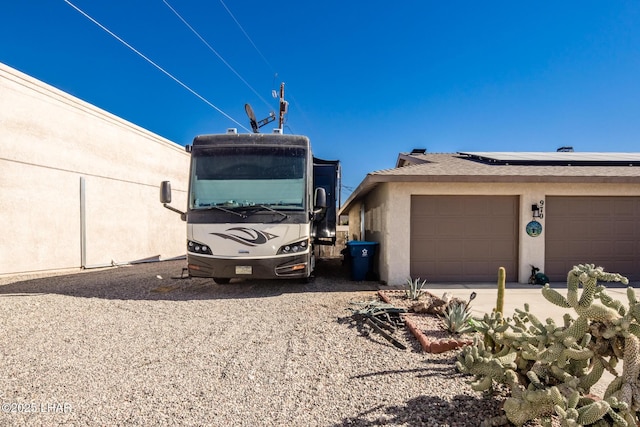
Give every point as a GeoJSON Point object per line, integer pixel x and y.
{"type": "Point", "coordinates": [257, 124]}
{"type": "Point", "coordinates": [252, 118]}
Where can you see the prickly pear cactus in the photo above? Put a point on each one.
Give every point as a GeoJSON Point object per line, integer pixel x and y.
{"type": "Point", "coordinates": [550, 368]}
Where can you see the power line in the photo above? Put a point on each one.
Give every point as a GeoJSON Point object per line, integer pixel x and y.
{"type": "Point", "coordinates": [155, 65]}
{"type": "Point", "coordinates": [302, 112]}
{"type": "Point", "coordinates": [247, 36]}
{"type": "Point", "coordinates": [262, 56]}
{"type": "Point", "coordinates": [184, 21]}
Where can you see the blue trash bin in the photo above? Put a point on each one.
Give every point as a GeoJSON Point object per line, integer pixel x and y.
{"type": "Point", "coordinates": [361, 254]}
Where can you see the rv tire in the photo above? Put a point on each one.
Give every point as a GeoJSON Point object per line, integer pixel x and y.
{"type": "Point", "coordinates": [222, 280]}
{"type": "Point", "coordinates": [307, 280]}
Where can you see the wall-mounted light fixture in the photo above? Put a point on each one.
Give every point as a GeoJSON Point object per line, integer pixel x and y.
{"type": "Point", "coordinates": [536, 210]}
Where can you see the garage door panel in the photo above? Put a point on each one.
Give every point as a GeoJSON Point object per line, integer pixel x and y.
{"type": "Point", "coordinates": [625, 227]}
{"type": "Point", "coordinates": [570, 207]}
{"type": "Point", "coordinates": [502, 229]}
{"type": "Point", "coordinates": [626, 265]}
{"type": "Point", "coordinates": [501, 251]}
{"type": "Point", "coordinates": [581, 249]}
{"type": "Point", "coordinates": [468, 239]}
{"type": "Point", "coordinates": [501, 209]}
{"type": "Point", "coordinates": [481, 231]}
{"type": "Point", "coordinates": [423, 249]}
{"type": "Point", "coordinates": [475, 249]}
{"type": "Point", "coordinates": [449, 250]}
{"type": "Point", "coordinates": [602, 249]}
{"type": "Point", "coordinates": [600, 230]}
{"type": "Point", "coordinates": [448, 266]}
{"type": "Point", "coordinates": [427, 228]}
{"type": "Point", "coordinates": [448, 205]}
{"type": "Point", "coordinates": [600, 210]}
{"type": "Point", "coordinates": [422, 266]}
{"type": "Point", "coordinates": [476, 272]}
{"type": "Point", "coordinates": [469, 229]}
{"type": "Point", "coordinates": [447, 227]}
{"type": "Point", "coordinates": [626, 208]}
{"type": "Point", "coordinates": [578, 226]}
{"type": "Point", "coordinates": [628, 248]}
{"type": "Point", "coordinates": [473, 267]}
{"type": "Point", "coordinates": [444, 269]}
{"type": "Point", "coordinates": [557, 248]}
{"type": "Point", "coordinates": [423, 207]}
{"type": "Point", "coordinates": [557, 266]}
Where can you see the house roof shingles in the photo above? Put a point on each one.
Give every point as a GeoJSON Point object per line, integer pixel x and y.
{"type": "Point", "coordinates": [448, 165]}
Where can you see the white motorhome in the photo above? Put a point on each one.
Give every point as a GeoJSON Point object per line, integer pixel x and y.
{"type": "Point", "coordinates": [257, 205]}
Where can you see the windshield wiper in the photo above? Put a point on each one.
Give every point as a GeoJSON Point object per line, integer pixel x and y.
{"type": "Point", "coordinates": [284, 215]}
{"type": "Point", "coordinates": [257, 208]}
{"type": "Point", "coordinates": [220, 208]}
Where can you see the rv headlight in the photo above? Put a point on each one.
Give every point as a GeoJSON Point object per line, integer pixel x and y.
{"type": "Point", "coordinates": [296, 247]}
{"type": "Point", "coordinates": [198, 248]}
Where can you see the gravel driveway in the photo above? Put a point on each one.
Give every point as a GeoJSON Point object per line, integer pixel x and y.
{"type": "Point", "coordinates": [137, 345]}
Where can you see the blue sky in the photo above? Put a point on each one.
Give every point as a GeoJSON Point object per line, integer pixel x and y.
{"type": "Point", "coordinates": [365, 80]}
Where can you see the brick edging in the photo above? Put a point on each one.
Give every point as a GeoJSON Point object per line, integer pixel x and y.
{"type": "Point", "coordinates": [429, 345]}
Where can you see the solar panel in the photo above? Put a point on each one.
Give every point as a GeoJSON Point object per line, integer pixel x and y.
{"type": "Point", "coordinates": [554, 158]}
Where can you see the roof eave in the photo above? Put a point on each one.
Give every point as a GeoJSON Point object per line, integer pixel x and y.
{"type": "Point", "coordinates": [510, 178]}
{"type": "Point", "coordinates": [368, 183]}
{"type": "Point", "coordinates": [372, 180]}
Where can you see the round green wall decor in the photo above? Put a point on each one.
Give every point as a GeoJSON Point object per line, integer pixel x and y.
{"type": "Point", "coordinates": [534, 229]}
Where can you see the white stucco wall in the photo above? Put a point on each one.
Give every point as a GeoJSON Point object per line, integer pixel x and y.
{"type": "Point", "coordinates": [377, 211]}
{"type": "Point", "coordinates": [49, 142]}
{"type": "Point", "coordinates": [355, 222]}
{"type": "Point", "coordinates": [391, 203]}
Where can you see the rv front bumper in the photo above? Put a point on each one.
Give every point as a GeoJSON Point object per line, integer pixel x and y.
{"type": "Point", "coordinates": [295, 266]}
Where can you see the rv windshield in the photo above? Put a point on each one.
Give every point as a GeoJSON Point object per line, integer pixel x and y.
{"type": "Point", "coordinates": [239, 177]}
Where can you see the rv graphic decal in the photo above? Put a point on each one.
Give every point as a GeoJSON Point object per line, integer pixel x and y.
{"type": "Point", "coordinates": [246, 236]}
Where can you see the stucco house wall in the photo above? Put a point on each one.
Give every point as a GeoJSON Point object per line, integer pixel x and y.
{"type": "Point", "coordinates": [376, 225]}
{"type": "Point", "coordinates": [355, 222]}
{"type": "Point", "coordinates": [79, 186]}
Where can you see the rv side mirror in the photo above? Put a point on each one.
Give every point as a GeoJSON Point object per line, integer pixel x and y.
{"type": "Point", "coordinates": [320, 199]}
{"type": "Point", "coordinates": [165, 199]}
{"type": "Point", "coordinates": [165, 192]}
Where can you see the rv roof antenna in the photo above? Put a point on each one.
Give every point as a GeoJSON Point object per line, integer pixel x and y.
{"type": "Point", "coordinates": [255, 124]}
{"type": "Point", "coordinates": [284, 107]}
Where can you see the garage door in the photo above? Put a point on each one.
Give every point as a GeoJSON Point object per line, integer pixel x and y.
{"type": "Point", "coordinates": [463, 238]}
{"type": "Point", "coordinates": [597, 230]}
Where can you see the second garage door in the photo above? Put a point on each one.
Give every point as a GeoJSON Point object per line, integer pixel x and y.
{"type": "Point", "coordinates": [463, 238]}
{"type": "Point", "coordinates": [597, 230]}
